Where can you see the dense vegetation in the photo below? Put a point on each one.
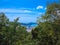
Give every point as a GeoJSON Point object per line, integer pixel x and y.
{"type": "Point", "coordinates": [46, 33]}
{"type": "Point", "coordinates": [48, 30]}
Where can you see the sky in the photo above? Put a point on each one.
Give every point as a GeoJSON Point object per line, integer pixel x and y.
{"type": "Point", "coordinates": [27, 10]}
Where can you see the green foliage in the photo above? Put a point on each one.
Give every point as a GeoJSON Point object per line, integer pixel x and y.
{"type": "Point", "coordinates": [11, 33]}
{"type": "Point", "coordinates": [46, 33]}
{"type": "Point", "coordinates": [48, 30]}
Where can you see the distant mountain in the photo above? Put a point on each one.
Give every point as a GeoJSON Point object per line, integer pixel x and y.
{"type": "Point", "coordinates": [29, 24]}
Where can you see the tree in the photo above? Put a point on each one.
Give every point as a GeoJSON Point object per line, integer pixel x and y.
{"type": "Point", "coordinates": [11, 33]}
{"type": "Point", "coordinates": [48, 32]}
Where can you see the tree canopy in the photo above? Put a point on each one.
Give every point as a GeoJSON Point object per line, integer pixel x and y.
{"type": "Point", "coordinates": [46, 33]}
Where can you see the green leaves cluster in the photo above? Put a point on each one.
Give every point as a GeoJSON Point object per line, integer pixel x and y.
{"type": "Point", "coordinates": [11, 33]}
{"type": "Point", "coordinates": [48, 30]}
{"type": "Point", "coordinates": [46, 33]}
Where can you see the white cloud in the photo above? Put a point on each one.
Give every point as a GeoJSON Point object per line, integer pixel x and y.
{"type": "Point", "coordinates": [39, 7]}
{"type": "Point", "coordinates": [20, 11]}
{"type": "Point", "coordinates": [40, 13]}
{"type": "Point", "coordinates": [27, 11]}
{"type": "Point", "coordinates": [45, 8]}
{"type": "Point", "coordinates": [15, 11]}
{"type": "Point", "coordinates": [26, 15]}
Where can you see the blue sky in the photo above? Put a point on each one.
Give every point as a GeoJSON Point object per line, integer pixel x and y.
{"type": "Point", "coordinates": [27, 10]}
